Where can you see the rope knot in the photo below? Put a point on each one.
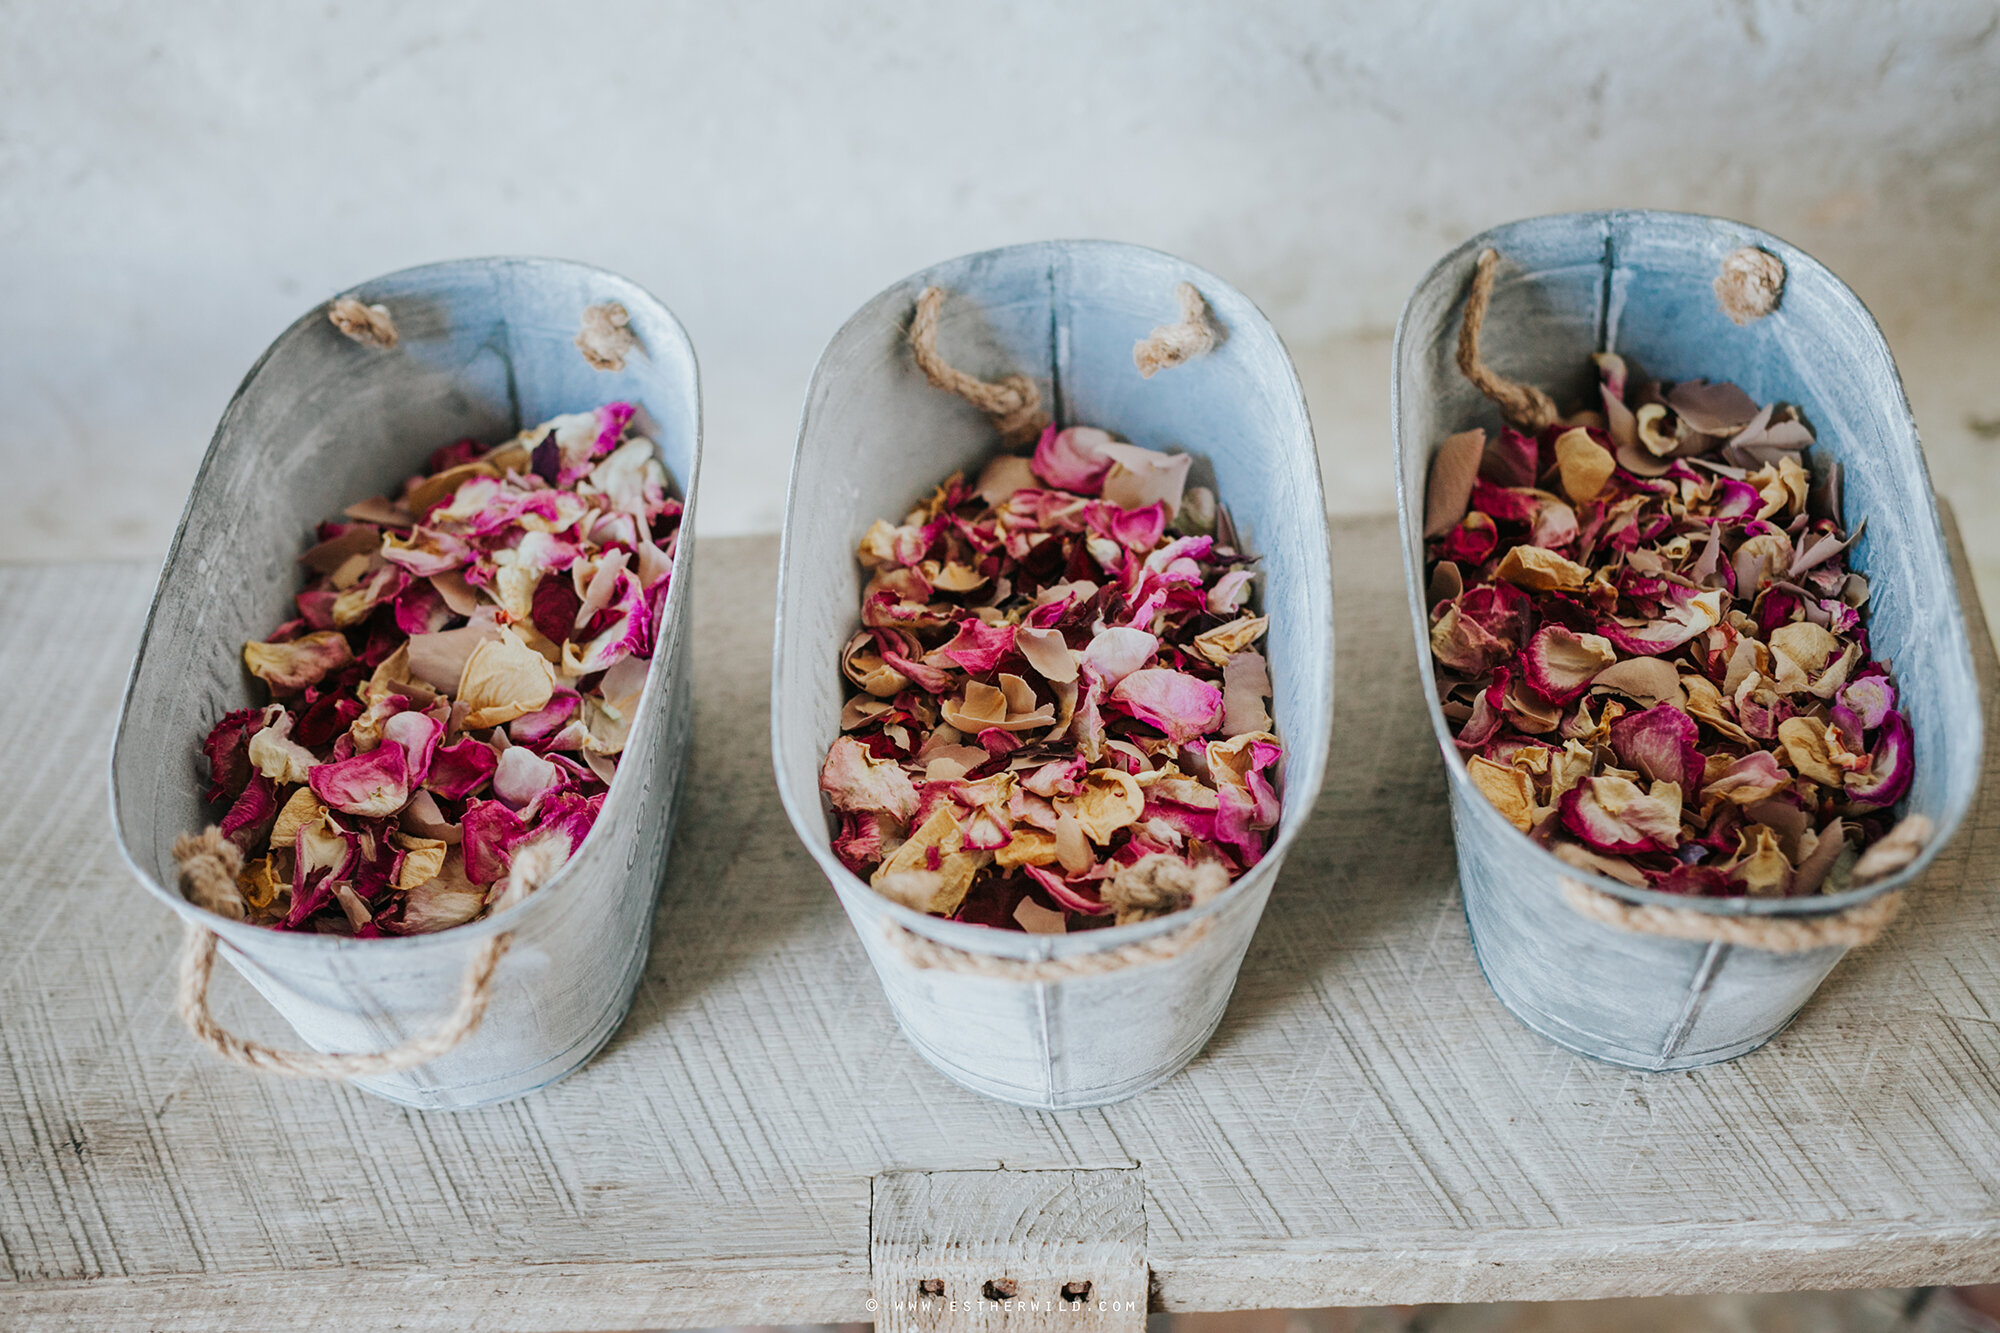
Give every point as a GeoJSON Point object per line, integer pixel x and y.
{"type": "Point", "coordinates": [368, 325]}
{"type": "Point", "coordinates": [1750, 284]}
{"type": "Point", "coordinates": [606, 336]}
{"type": "Point", "coordinates": [1194, 334]}
{"type": "Point", "coordinates": [209, 865]}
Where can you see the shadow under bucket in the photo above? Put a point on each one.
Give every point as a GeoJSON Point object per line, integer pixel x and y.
{"type": "Point", "coordinates": [1643, 284]}
{"type": "Point", "coordinates": [1052, 1021]}
{"type": "Point", "coordinates": [486, 347]}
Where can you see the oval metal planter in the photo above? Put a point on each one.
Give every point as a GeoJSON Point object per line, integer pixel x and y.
{"type": "Point", "coordinates": [1641, 283]}
{"type": "Point", "coordinates": [875, 438]}
{"type": "Point", "coordinates": [486, 348]}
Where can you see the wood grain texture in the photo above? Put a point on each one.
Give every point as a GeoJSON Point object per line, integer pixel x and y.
{"type": "Point", "coordinates": [1027, 1251]}
{"type": "Point", "coordinates": [1368, 1124]}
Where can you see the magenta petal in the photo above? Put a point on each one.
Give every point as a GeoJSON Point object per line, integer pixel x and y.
{"type": "Point", "coordinates": [1870, 697]}
{"type": "Point", "coordinates": [371, 785]}
{"type": "Point", "coordinates": [1560, 665]}
{"type": "Point", "coordinates": [1134, 529]}
{"type": "Point", "coordinates": [1735, 499]}
{"type": "Point", "coordinates": [1662, 743]}
{"type": "Point", "coordinates": [624, 628]}
{"type": "Point", "coordinates": [1187, 820]}
{"type": "Point", "coordinates": [1611, 815]}
{"type": "Point", "coordinates": [1512, 459]}
{"type": "Point", "coordinates": [1892, 764]}
{"type": "Point", "coordinates": [1236, 823]}
{"type": "Point", "coordinates": [420, 609]}
{"type": "Point", "coordinates": [228, 750]}
{"type": "Point", "coordinates": [250, 818]}
{"type": "Point", "coordinates": [1073, 459]}
{"type": "Point", "coordinates": [1180, 705]}
{"type": "Point", "coordinates": [611, 421]}
{"type": "Point", "coordinates": [531, 728]}
{"type": "Point", "coordinates": [978, 647]}
{"type": "Point", "coordinates": [491, 830]}
{"type": "Point", "coordinates": [1066, 896]}
{"type": "Point", "coordinates": [570, 814]}
{"type": "Point", "coordinates": [418, 734]}
{"type": "Point", "coordinates": [459, 770]}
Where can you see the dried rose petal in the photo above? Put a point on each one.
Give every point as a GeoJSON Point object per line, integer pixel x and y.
{"type": "Point", "coordinates": [1661, 744]}
{"type": "Point", "coordinates": [1074, 459]}
{"type": "Point", "coordinates": [1562, 664]}
{"type": "Point", "coordinates": [1180, 705]}
{"type": "Point", "coordinates": [1047, 660]}
{"type": "Point", "coordinates": [1612, 815]}
{"type": "Point", "coordinates": [290, 667]}
{"type": "Point", "coordinates": [1689, 544]}
{"type": "Point", "coordinates": [522, 585]}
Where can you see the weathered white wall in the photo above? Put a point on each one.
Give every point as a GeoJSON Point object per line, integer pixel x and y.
{"type": "Point", "coordinates": [178, 181]}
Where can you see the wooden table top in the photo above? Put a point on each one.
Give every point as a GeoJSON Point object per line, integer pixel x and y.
{"type": "Point", "coordinates": [1368, 1126]}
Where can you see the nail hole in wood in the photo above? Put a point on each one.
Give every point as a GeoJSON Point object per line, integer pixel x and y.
{"type": "Point", "coordinates": [932, 1287]}
{"type": "Point", "coordinates": [1076, 1292]}
{"type": "Point", "coordinates": [1001, 1289]}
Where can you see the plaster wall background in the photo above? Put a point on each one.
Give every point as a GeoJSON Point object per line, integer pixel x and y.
{"type": "Point", "coordinates": [179, 181]}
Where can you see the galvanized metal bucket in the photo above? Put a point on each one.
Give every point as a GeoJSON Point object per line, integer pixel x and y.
{"type": "Point", "coordinates": [1051, 1022]}
{"type": "Point", "coordinates": [1642, 284]}
{"type": "Point", "coordinates": [486, 348]}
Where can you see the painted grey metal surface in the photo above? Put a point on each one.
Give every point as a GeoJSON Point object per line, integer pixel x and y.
{"type": "Point", "coordinates": [875, 439]}
{"type": "Point", "coordinates": [486, 349]}
{"type": "Point", "coordinates": [1640, 283]}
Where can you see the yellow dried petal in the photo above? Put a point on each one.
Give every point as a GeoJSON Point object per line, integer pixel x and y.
{"type": "Point", "coordinates": [302, 809]}
{"type": "Point", "coordinates": [1222, 642]}
{"type": "Point", "coordinates": [1030, 847]}
{"type": "Point", "coordinates": [1585, 465]}
{"type": "Point", "coordinates": [279, 757]}
{"type": "Point", "coordinates": [504, 679]}
{"type": "Point", "coordinates": [1807, 745]}
{"type": "Point", "coordinates": [1507, 787]}
{"type": "Point", "coordinates": [1108, 800]}
{"type": "Point", "coordinates": [260, 883]}
{"type": "Point", "coordinates": [423, 859]}
{"type": "Point", "coordinates": [907, 875]}
{"type": "Point", "coordinates": [955, 577]}
{"type": "Point", "coordinates": [1536, 569]}
{"type": "Point", "coordinates": [433, 489]}
{"type": "Point", "coordinates": [1764, 870]}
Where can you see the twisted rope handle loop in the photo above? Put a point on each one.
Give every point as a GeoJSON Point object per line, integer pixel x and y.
{"type": "Point", "coordinates": [930, 955]}
{"type": "Point", "coordinates": [1850, 929]}
{"type": "Point", "coordinates": [208, 865]}
{"type": "Point", "coordinates": [475, 988]}
{"type": "Point", "coordinates": [1015, 404]}
{"type": "Point", "coordinates": [1523, 405]}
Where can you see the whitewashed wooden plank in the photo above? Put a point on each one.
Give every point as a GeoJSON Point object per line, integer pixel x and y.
{"type": "Point", "coordinates": [1009, 1251]}
{"type": "Point", "coordinates": [1368, 1124]}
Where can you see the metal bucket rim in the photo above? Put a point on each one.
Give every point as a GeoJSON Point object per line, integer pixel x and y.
{"type": "Point", "coordinates": [263, 939]}
{"type": "Point", "coordinates": [1007, 943]}
{"type": "Point", "coordinates": [1470, 798]}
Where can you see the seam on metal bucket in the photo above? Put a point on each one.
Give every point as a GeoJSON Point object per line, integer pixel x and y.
{"type": "Point", "coordinates": [1712, 959]}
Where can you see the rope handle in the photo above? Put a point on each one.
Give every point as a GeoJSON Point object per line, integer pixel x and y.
{"type": "Point", "coordinates": [1523, 405]}
{"type": "Point", "coordinates": [197, 964]}
{"type": "Point", "coordinates": [209, 865]}
{"type": "Point", "coordinates": [929, 955]}
{"type": "Point", "coordinates": [1849, 929]}
{"type": "Point", "coordinates": [1015, 404]}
